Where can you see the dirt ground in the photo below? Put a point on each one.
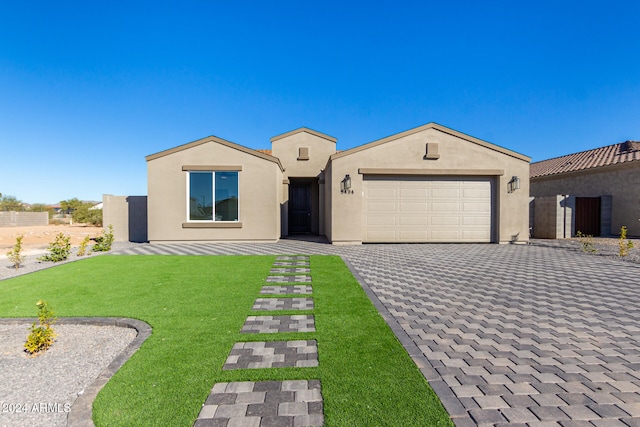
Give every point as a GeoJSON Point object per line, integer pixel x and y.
{"type": "Point", "coordinates": [38, 237]}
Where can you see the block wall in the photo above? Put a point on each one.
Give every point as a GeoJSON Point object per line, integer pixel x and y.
{"type": "Point", "coordinates": [23, 219]}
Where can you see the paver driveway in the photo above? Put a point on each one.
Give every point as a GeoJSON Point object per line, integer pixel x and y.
{"type": "Point", "coordinates": [505, 334]}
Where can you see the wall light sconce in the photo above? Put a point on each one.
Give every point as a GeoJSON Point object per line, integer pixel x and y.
{"type": "Point", "coordinates": [514, 184]}
{"type": "Point", "coordinates": [345, 185]}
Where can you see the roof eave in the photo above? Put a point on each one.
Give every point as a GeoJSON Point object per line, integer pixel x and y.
{"type": "Point", "coordinates": [306, 130]}
{"type": "Point", "coordinates": [438, 127]}
{"type": "Point", "coordinates": [219, 141]}
{"type": "Point", "coordinates": [594, 169]}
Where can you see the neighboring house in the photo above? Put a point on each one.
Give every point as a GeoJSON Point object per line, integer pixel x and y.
{"type": "Point", "coordinates": [428, 184]}
{"type": "Point", "coordinates": [595, 192]}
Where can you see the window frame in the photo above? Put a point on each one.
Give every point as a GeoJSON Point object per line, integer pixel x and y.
{"type": "Point", "coordinates": [210, 170]}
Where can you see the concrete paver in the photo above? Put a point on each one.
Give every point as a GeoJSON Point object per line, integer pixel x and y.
{"type": "Point", "coordinates": [283, 290]}
{"type": "Point", "coordinates": [289, 279]}
{"type": "Point", "coordinates": [523, 321]}
{"type": "Point", "coordinates": [278, 304]}
{"type": "Point", "coordinates": [265, 403]}
{"type": "Point", "coordinates": [278, 324]}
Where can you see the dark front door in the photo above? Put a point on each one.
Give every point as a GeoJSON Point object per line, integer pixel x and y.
{"type": "Point", "coordinates": [299, 207]}
{"type": "Point", "coordinates": [588, 215]}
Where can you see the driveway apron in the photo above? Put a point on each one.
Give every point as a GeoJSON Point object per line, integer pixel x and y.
{"type": "Point", "coordinates": [516, 335]}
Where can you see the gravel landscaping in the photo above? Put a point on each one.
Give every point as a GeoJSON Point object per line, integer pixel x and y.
{"type": "Point", "coordinates": [39, 391]}
{"type": "Point", "coordinates": [604, 247]}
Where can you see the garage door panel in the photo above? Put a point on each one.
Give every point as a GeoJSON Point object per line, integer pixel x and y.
{"type": "Point", "coordinates": [445, 220]}
{"type": "Point", "coordinates": [476, 207]}
{"type": "Point", "coordinates": [477, 193]}
{"type": "Point", "coordinates": [412, 235]}
{"type": "Point", "coordinates": [381, 207]}
{"type": "Point", "coordinates": [475, 235]}
{"type": "Point", "coordinates": [413, 207]}
{"type": "Point", "coordinates": [445, 207]}
{"type": "Point", "coordinates": [445, 193]}
{"type": "Point", "coordinates": [381, 236]}
{"type": "Point", "coordinates": [482, 221]}
{"type": "Point", "coordinates": [381, 193]}
{"type": "Point", "coordinates": [414, 193]}
{"type": "Point", "coordinates": [443, 182]}
{"type": "Point", "coordinates": [413, 220]}
{"type": "Point", "coordinates": [427, 209]}
{"type": "Point", "coordinates": [381, 220]}
{"type": "Point", "coordinates": [445, 235]}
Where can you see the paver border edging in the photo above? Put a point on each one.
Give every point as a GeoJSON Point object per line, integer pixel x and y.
{"type": "Point", "coordinates": [81, 410]}
{"type": "Point", "coordinates": [449, 400]}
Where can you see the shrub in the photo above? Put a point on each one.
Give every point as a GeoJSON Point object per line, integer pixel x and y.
{"type": "Point", "coordinates": [624, 247]}
{"type": "Point", "coordinates": [82, 249]}
{"type": "Point", "coordinates": [59, 249]}
{"type": "Point", "coordinates": [104, 242]}
{"type": "Point", "coordinates": [15, 255]}
{"type": "Point", "coordinates": [85, 215]}
{"type": "Point", "coordinates": [586, 241]}
{"type": "Point", "coordinates": [42, 336]}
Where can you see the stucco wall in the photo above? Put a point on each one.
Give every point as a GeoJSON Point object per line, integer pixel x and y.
{"type": "Point", "coordinates": [457, 156]}
{"type": "Point", "coordinates": [621, 182]}
{"type": "Point", "coordinates": [319, 147]}
{"type": "Point", "coordinates": [260, 192]}
{"type": "Point", "coordinates": [286, 148]}
{"type": "Point", "coordinates": [115, 211]}
{"type": "Point", "coordinates": [127, 215]}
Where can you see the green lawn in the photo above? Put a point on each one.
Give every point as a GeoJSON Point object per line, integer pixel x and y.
{"type": "Point", "coordinates": [197, 305]}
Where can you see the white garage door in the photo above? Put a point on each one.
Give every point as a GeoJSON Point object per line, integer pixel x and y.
{"type": "Point", "coordinates": [427, 209]}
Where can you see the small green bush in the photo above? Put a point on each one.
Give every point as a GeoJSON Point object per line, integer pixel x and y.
{"type": "Point", "coordinates": [624, 246]}
{"type": "Point", "coordinates": [59, 249]}
{"type": "Point", "coordinates": [586, 241]}
{"type": "Point", "coordinates": [15, 255]}
{"type": "Point", "coordinates": [42, 336]}
{"type": "Point", "coordinates": [82, 249]}
{"type": "Point", "coordinates": [104, 242]}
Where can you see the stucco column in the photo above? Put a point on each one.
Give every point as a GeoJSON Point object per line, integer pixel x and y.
{"type": "Point", "coordinates": [321, 206]}
{"type": "Point", "coordinates": [284, 208]}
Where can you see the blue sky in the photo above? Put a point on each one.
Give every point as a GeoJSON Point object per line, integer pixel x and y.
{"type": "Point", "coordinates": [88, 89]}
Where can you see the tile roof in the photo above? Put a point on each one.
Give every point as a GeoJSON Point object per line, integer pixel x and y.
{"type": "Point", "coordinates": [265, 152]}
{"type": "Point", "coordinates": [623, 152]}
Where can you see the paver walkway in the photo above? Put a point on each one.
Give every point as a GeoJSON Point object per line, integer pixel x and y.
{"type": "Point", "coordinates": [506, 334]}
{"type": "Point", "coordinates": [290, 403]}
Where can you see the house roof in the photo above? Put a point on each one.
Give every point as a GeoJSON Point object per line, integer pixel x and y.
{"type": "Point", "coordinates": [304, 129]}
{"type": "Point", "coordinates": [438, 127]}
{"type": "Point", "coordinates": [257, 153]}
{"type": "Point", "coordinates": [623, 152]}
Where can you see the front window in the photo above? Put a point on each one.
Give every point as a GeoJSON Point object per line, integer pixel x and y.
{"type": "Point", "coordinates": [213, 196]}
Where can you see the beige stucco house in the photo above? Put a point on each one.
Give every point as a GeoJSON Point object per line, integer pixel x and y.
{"type": "Point", "coordinates": [428, 184]}
{"type": "Point", "coordinates": [595, 192]}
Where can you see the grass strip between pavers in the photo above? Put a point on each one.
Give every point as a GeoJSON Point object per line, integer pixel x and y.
{"type": "Point", "coordinates": [197, 305]}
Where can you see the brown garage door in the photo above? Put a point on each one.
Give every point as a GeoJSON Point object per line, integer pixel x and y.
{"type": "Point", "coordinates": [427, 209]}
